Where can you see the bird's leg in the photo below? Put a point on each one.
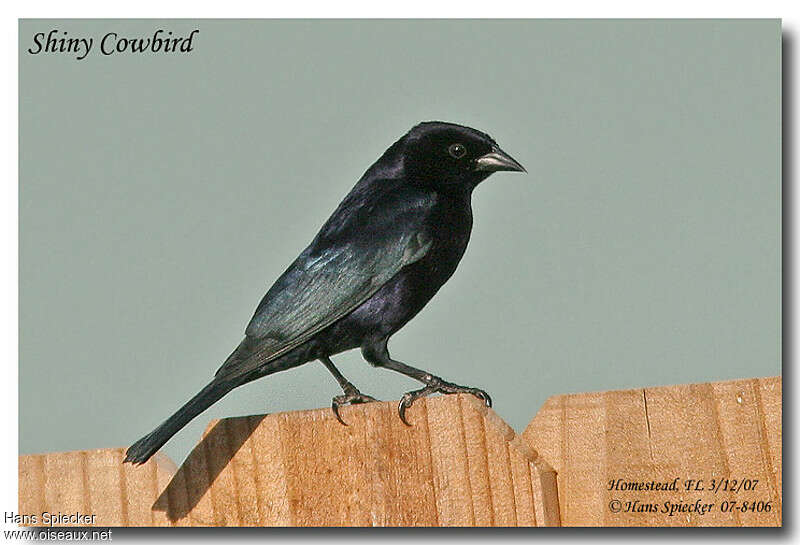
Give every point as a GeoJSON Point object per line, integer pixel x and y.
{"type": "Point", "coordinates": [351, 394]}
{"type": "Point", "coordinates": [379, 356]}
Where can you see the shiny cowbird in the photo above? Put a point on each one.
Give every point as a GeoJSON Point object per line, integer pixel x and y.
{"type": "Point", "coordinates": [391, 244]}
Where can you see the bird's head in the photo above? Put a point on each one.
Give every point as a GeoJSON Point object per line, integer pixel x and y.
{"type": "Point", "coordinates": [446, 156]}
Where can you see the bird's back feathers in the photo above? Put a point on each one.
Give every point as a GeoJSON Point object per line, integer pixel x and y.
{"type": "Point", "coordinates": [357, 251]}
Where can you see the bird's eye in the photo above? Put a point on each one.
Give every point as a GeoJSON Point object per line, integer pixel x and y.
{"type": "Point", "coordinates": [457, 150]}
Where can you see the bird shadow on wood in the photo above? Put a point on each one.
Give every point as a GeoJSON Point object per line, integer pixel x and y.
{"type": "Point", "coordinates": [202, 467]}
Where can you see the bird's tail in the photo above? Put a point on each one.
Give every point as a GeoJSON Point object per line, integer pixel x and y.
{"type": "Point", "coordinates": [144, 448]}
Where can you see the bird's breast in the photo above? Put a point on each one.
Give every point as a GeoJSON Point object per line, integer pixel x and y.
{"type": "Point", "coordinates": [450, 230]}
{"type": "Point", "coordinates": [402, 297]}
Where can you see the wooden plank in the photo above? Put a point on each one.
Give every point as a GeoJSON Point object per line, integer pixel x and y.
{"type": "Point", "coordinates": [726, 435]}
{"type": "Point", "coordinates": [94, 483]}
{"type": "Point", "coordinates": [459, 464]}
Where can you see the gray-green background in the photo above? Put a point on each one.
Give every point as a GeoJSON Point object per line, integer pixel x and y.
{"type": "Point", "coordinates": [161, 195]}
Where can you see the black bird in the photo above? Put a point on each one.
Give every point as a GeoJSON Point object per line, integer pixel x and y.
{"type": "Point", "coordinates": [391, 244]}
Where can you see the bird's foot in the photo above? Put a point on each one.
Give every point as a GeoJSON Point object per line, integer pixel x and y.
{"type": "Point", "coordinates": [437, 385]}
{"type": "Point", "coordinates": [351, 396]}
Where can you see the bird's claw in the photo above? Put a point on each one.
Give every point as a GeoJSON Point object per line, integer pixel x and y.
{"type": "Point", "coordinates": [482, 395]}
{"type": "Point", "coordinates": [409, 398]}
{"type": "Point", "coordinates": [437, 385]}
{"type": "Point", "coordinates": [351, 397]}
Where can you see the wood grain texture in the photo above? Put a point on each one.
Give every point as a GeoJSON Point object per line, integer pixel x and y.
{"type": "Point", "coordinates": [722, 430]}
{"type": "Point", "coordinates": [459, 464]}
{"type": "Point", "coordinates": [93, 482]}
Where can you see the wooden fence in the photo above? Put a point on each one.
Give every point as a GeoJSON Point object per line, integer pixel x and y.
{"type": "Point", "coordinates": [590, 459]}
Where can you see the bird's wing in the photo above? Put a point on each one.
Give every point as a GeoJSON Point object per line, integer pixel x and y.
{"type": "Point", "coordinates": [333, 276]}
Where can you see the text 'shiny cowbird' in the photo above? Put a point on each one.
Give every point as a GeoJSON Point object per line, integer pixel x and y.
{"type": "Point", "coordinates": [391, 244]}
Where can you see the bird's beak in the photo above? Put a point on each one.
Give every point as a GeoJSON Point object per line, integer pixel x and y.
{"type": "Point", "coordinates": [497, 160]}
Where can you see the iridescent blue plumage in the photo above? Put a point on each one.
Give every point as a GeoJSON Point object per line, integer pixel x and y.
{"type": "Point", "coordinates": [385, 251]}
